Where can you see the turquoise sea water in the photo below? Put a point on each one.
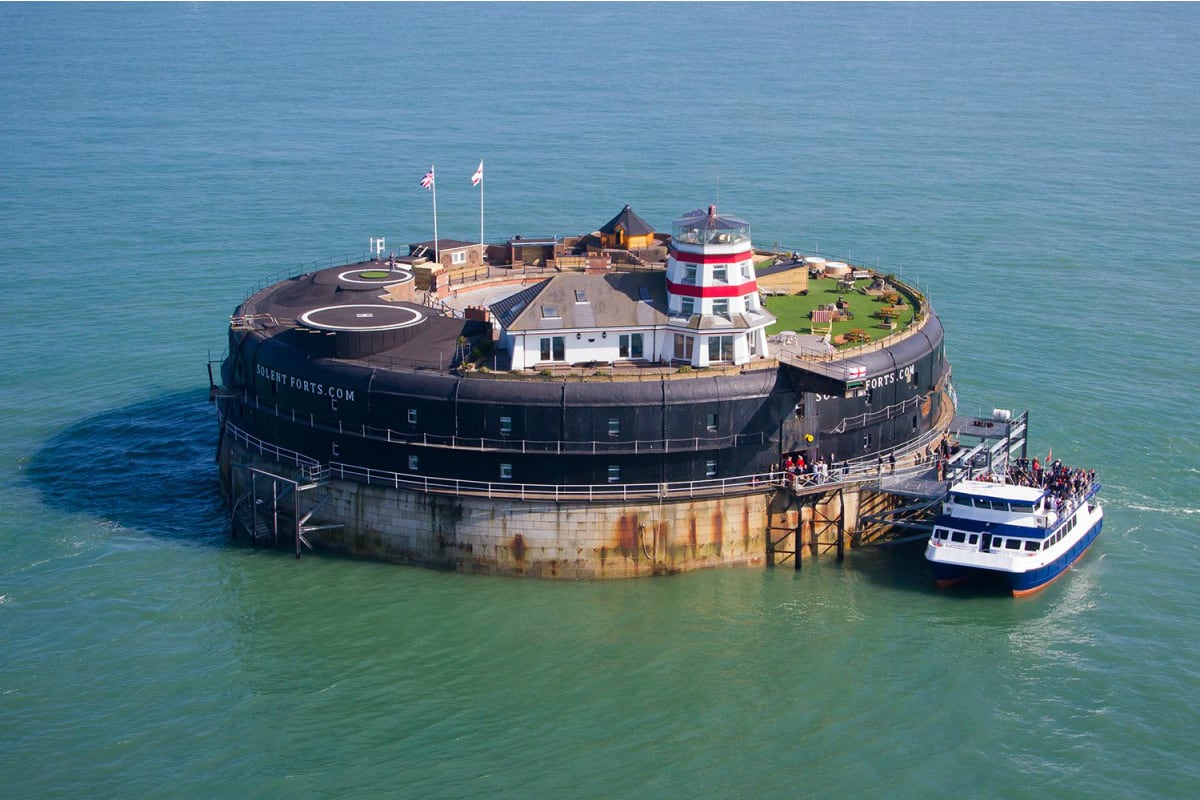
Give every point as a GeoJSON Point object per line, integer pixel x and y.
{"type": "Point", "coordinates": [1034, 168]}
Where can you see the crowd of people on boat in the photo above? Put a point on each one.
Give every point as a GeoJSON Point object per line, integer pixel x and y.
{"type": "Point", "coordinates": [1066, 484]}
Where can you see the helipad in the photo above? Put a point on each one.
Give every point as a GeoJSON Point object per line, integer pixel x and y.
{"type": "Point", "coordinates": [362, 317]}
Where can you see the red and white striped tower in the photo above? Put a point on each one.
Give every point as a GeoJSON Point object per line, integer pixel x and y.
{"type": "Point", "coordinates": [716, 316]}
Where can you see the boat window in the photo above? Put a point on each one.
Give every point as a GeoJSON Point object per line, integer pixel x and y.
{"type": "Point", "coordinates": [974, 539]}
{"type": "Point", "coordinates": [958, 536]}
{"type": "Point", "coordinates": [1032, 546]}
{"type": "Point", "coordinates": [1012, 544]}
{"type": "Point", "coordinates": [939, 533]}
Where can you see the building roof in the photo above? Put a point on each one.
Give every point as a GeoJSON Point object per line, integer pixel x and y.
{"type": "Point", "coordinates": [630, 222]}
{"type": "Point", "coordinates": [576, 301]}
{"type": "Point", "coordinates": [445, 244]}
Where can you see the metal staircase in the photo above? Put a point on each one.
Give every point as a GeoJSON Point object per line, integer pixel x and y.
{"type": "Point", "coordinates": [270, 505]}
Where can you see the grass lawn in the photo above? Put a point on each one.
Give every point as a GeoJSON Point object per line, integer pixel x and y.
{"type": "Point", "coordinates": [792, 311]}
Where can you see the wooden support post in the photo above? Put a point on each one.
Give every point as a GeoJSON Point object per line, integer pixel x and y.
{"type": "Point", "coordinates": [799, 532]}
{"type": "Point", "coordinates": [841, 525]}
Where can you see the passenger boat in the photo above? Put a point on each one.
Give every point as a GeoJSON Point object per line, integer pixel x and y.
{"type": "Point", "coordinates": [1027, 534]}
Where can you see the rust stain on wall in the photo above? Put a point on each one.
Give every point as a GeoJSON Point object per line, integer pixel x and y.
{"type": "Point", "coordinates": [518, 548]}
{"type": "Point", "coordinates": [718, 529]}
{"type": "Point", "coordinates": [627, 534]}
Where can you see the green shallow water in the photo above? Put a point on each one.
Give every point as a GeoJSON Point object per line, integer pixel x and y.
{"type": "Point", "coordinates": [1031, 168]}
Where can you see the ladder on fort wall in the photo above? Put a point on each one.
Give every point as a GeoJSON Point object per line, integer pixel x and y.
{"type": "Point", "coordinates": [268, 505]}
{"type": "Point", "coordinates": [822, 527]}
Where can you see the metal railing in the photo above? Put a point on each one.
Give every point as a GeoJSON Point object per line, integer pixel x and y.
{"type": "Point", "coordinates": [511, 445]}
{"type": "Point", "coordinates": [862, 472]}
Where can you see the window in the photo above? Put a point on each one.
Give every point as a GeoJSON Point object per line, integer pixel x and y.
{"type": "Point", "coordinates": [614, 426]}
{"type": "Point", "coordinates": [958, 536]}
{"type": "Point", "coordinates": [710, 468]}
{"type": "Point", "coordinates": [550, 312]}
{"type": "Point", "coordinates": [552, 348]}
{"type": "Point", "coordinates": [1032, 547]}
{"type": "Point", "coordinates": [720, 273]}
{"type": "Point", "coordinates": [643, 294]}
{"type": "Point", "coordinates": [683, 347]}
{"type": "Point", "coordinates": [505, 426]}
{"type": "Point", "coordinates": [631, 345]}
{"type": "Point", "coordinates": [412, 464]}
{"type": "Point", "coordinates": [750, 302]}
{"type": "Point", "coordinates": [459, 257]}
{"type": "Point", "coordinates": [721, 307]}
{"type": "Point", "coordinates": [580, 296]}
{"type": "Point", "coordinates": [412, 416]}
{"type": "Point", "coordinates": [614, 473]}
{"type": "Point", "coordinates": [689, 275]}
{"type": "Point", "coordinates": [687, 306]}
{"type": "Point", "coordinates": [711, 422]}
{"type": "Point", "coordinates": [973, 539]}
{"type": "Point", "coordinates": [720, 348]}
{"type": "Point", "coordinates": [506, 472]}
{"type": "Point", "coordinates": [1012, 544]}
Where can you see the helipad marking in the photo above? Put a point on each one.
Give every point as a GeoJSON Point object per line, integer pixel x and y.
{"type": "Point", "coordinates": [407, 318]}
{"type": "Point", "coordinates": [355, 276]}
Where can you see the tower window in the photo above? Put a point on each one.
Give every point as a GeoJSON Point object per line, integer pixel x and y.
{"type": "Point", "coordinates": [710, 469]}
{"type": "Point", "coordinates": [412, 463]}
{"type": "Point", "coordinates": [614, 473]}
{"type": "Point", "coordinates": [505, 426]}
{"type": "Point", "coordinates": [412, 416]}
{"type": "Point", "coordinates": [614, 427]}
{"type": "Point", "coordinates": [506, 472]}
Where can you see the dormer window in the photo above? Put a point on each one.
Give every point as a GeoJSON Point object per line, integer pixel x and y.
{"type": "Point", "coordinates": [580, 296]}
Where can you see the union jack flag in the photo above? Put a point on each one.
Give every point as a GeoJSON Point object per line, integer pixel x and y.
{"type": "Point", "coordinates": [427, 181]}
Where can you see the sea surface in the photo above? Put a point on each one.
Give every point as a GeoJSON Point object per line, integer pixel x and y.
{"type": "Point", "coordinates": [1034, 168]}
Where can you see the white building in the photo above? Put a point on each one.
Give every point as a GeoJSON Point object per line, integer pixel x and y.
{"type": "Point", "coordinates": [704, 311]}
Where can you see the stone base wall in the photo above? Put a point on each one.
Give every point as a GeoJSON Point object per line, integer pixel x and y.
{"type": "Point", "coordinates": [507, 537]}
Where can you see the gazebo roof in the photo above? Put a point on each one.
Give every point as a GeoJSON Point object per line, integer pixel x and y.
{"type": "Point", "coordinates": [631, 222]}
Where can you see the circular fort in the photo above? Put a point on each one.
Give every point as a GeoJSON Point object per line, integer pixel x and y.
{"type": "Point", "coordinates": [618, 404]}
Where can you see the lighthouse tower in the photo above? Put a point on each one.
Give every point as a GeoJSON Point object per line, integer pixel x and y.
{"type": "Point", "coordinates": [715, 314]}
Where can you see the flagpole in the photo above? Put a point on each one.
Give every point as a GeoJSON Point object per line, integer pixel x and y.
{"type": "Point", "coordinates": [481, 204]}
{"type": "Point", "coordinates": [436, 258]}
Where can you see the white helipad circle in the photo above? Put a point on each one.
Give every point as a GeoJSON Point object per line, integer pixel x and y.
{"type": "Point", "coordinates": [361, 317]}
{"type": "Point", "coordinates": [393, 276]}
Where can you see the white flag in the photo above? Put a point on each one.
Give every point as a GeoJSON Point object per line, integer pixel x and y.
{"type": "Point", "coordinates": [478, 176]}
